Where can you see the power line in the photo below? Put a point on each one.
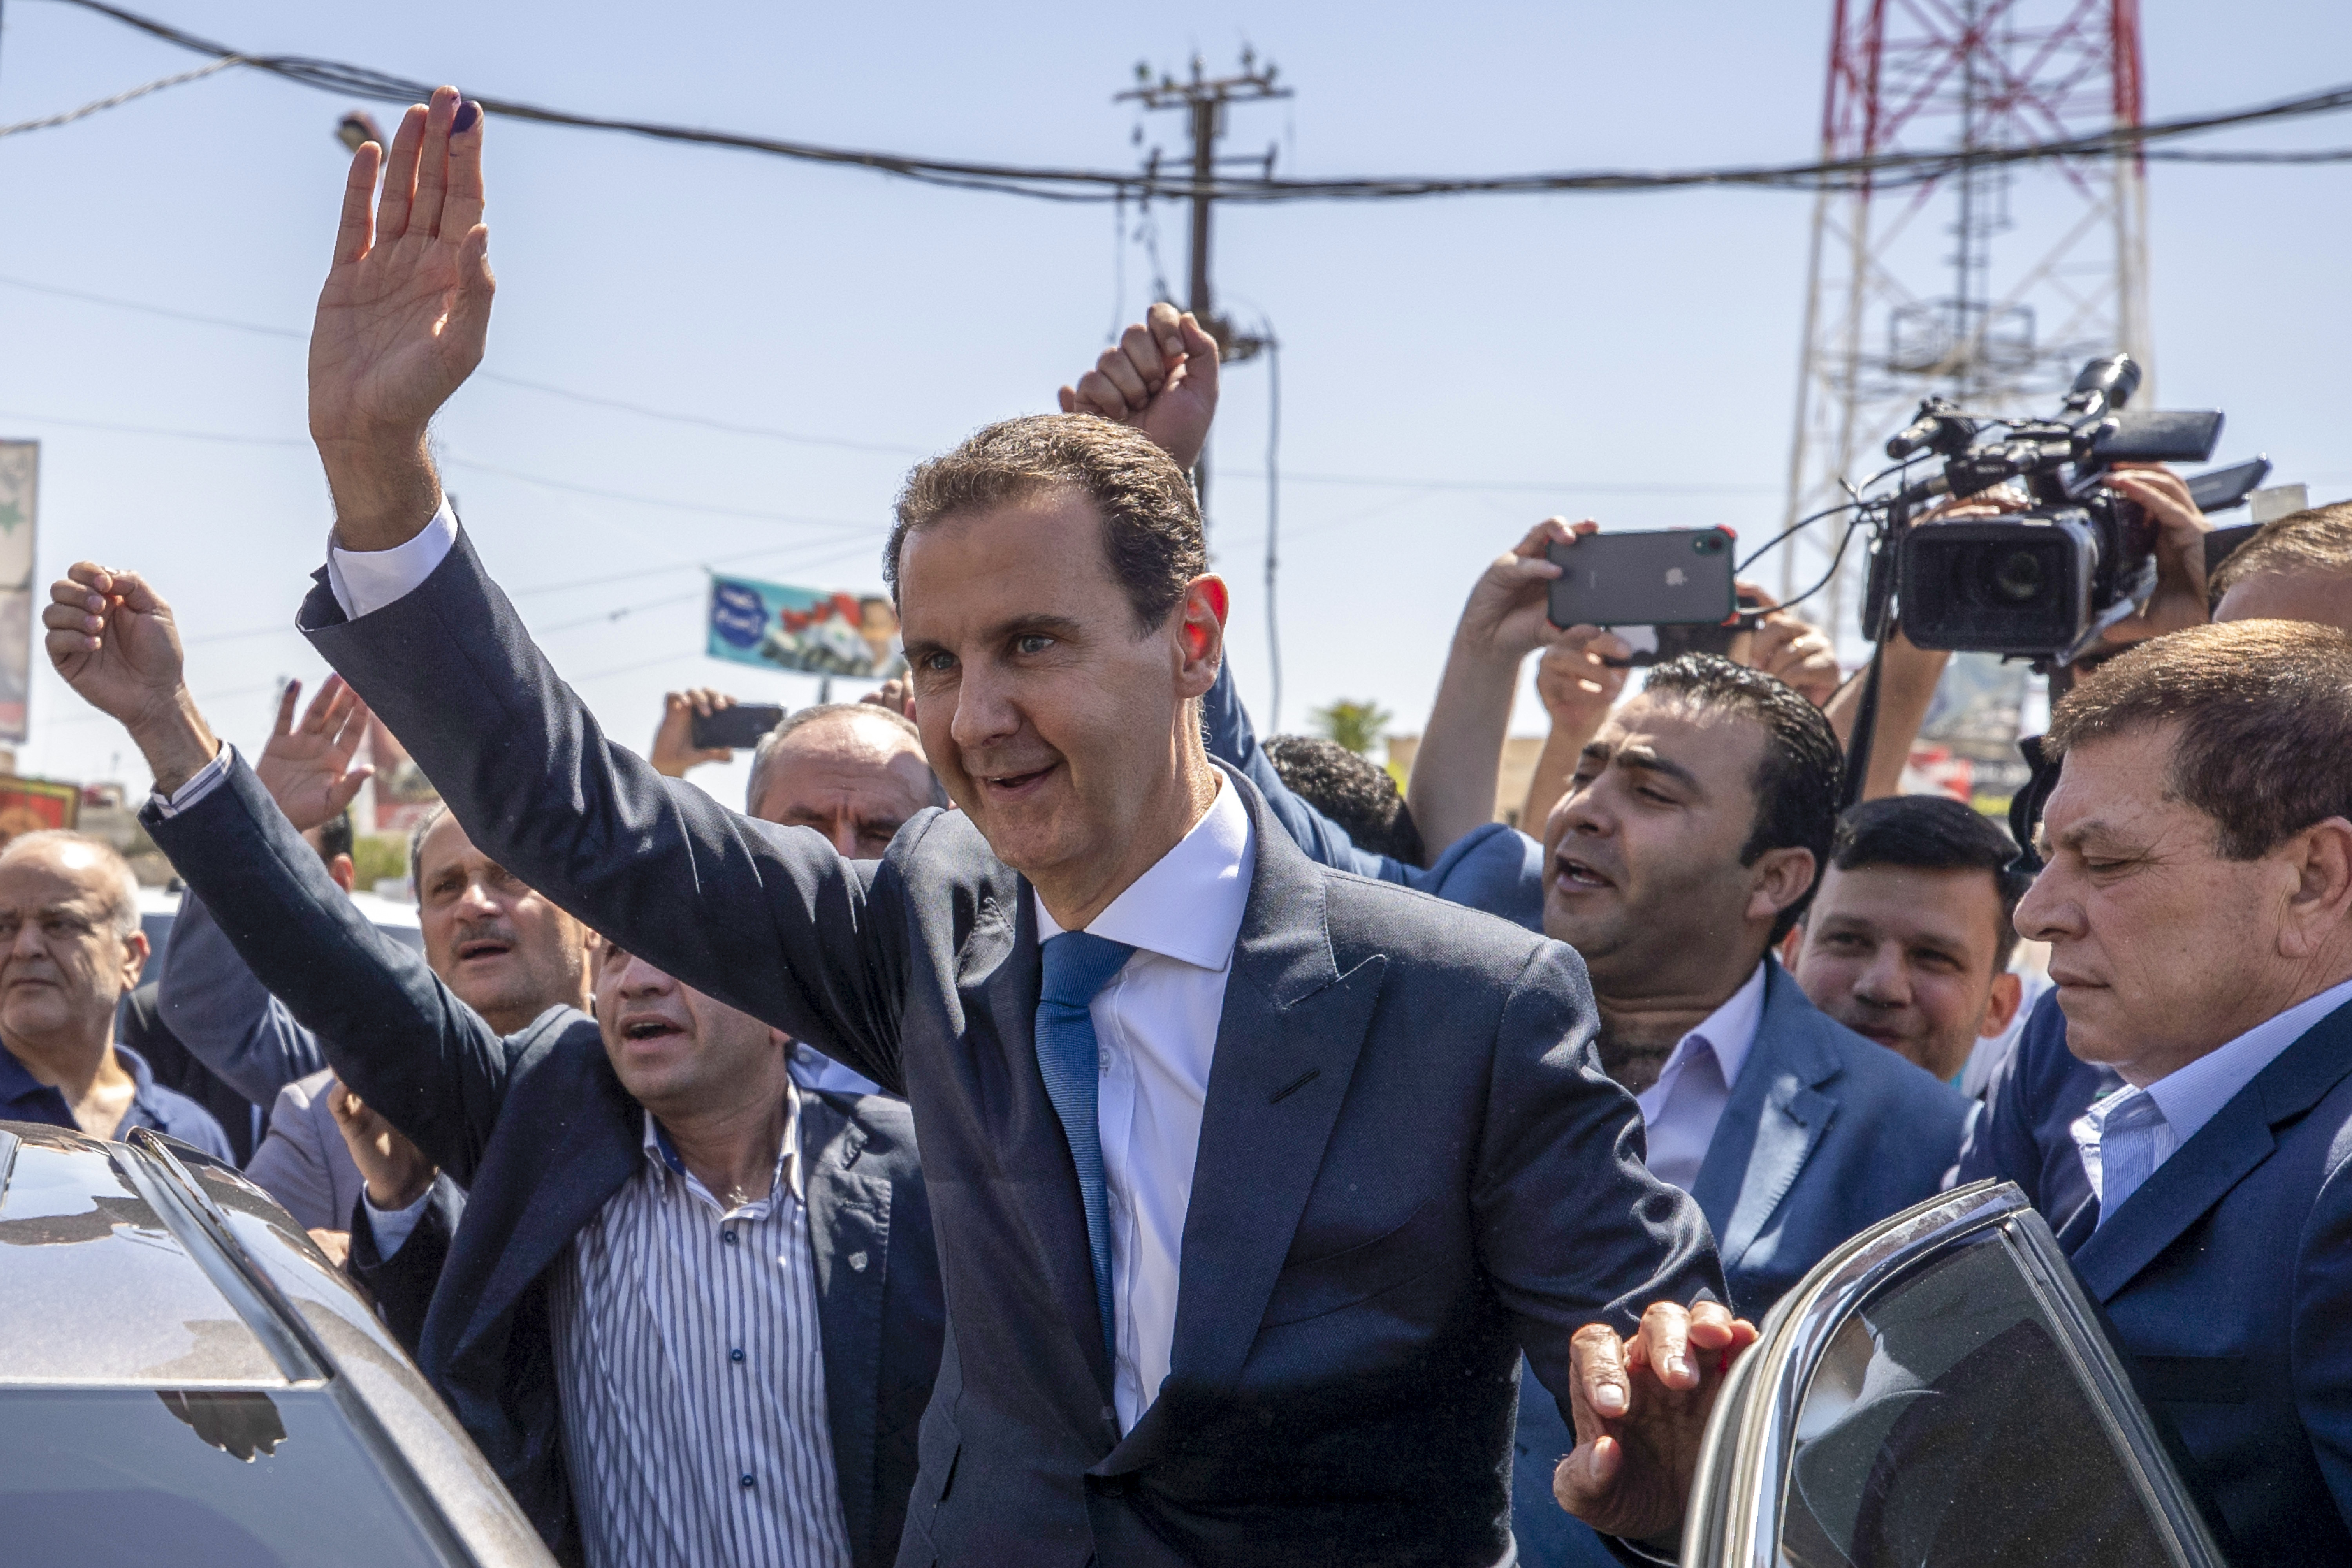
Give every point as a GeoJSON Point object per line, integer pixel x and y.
{"type": "Point", "coordinates": [49, 122]}
{"type": "Point", "coordinates": [1880, 171]}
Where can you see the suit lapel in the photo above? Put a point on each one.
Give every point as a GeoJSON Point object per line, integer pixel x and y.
{"type": "Point", "coordinates": [1773, 1121]}
{"type": "Point", "coordinates": [849, 1226]}
{"type": "Point", "coordinates": [581, 1155]}
{"type": "Point", "coordinates": [1287, 1046]}
{"type": "Point", "coordinates": [999, 976]}
{"type": "Point", "coordinates": [2200, 1173]}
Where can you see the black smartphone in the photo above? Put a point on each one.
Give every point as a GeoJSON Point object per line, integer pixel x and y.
{"type": "Point", "coordinates": [738, 728]}
{"type": "Point", "coordinates": [1679, 577]}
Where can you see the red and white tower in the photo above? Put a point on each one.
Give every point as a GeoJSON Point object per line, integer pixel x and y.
{"type": "Point", "coordinates": [1907, 293]}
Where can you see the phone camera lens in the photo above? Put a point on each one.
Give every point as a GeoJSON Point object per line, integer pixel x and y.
{"type": "Point", "coordinates": [1708, 544]}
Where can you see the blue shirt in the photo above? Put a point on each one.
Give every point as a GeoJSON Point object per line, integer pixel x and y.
{"type": "Point", "coordinates": [2125, 1136]}
{"type": "Point", "coordinates": [24, 1098]}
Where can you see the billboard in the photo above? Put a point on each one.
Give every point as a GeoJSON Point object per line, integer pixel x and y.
{"type": "Point", "coordinates": [809, 630]}
{"type": "Point", "coordinates": [20, 471]}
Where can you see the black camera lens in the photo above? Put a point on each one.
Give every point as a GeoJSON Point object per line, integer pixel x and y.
{"type": "Point", "coordinates": [2019, 576]}
{"type": "Point", "coordinates": [1708, 543]}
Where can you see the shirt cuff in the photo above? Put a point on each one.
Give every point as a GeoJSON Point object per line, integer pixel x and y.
{"type": "Point", "coordinates": [392, 1227]}
{"type": "Point", "coordinates": [202, 782]}
{"type": "Point", "coordinates": [368, 580]}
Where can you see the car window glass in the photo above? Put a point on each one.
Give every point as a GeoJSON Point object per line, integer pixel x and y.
{"type": "Point", "coordinates": [246, 1477]}
{"type": "Point", "coordinates": [1947, 1427]}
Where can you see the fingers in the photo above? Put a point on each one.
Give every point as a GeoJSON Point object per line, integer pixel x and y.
{"type": "Point", "coordinates": [1598, 1375]}
{"type": "Point", "coordinates": [1552, 531]}
{"type": "Point", "coordinates": [131, 591]}
{"type": "Point", "coordinates": [1663, 1344]}
{"type": "Point", "coordinates": [469, 315]}
{"type": "Point", "coordinates": [345, 790]}
{"type": "Point", "coordinates": [1200, 351]}
{"type": "Point", "coordinates": [1069, 399]}
{"type": "Point", "coordinates": [462, 208]}
{"type": "Point", "coordinates": [432, 165]}
{"type": "Point", "coordinates": [356, 230]}
{"type": "Point", "coordinates": [392, 208]}
{"type": "Point", "coordinates": [285, 699]}
{"type": "Point", "coordinates": [350, 728]}
{"type": "Point", "coordinates": [1582, 1482]}
{"type": "Point", "coordinates": [1136, 366]}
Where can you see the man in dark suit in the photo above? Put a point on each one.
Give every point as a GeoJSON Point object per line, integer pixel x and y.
{"type": "Point", "coordinates": [2198, 901]}
{"type": "Point", "coordinates": [1249, 1180]}
{"type": "Point", "coordinates": [666, 1237]}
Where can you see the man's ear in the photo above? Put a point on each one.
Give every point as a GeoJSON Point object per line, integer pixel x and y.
{"type": "Point", "coordinates": [1791, 945]}
{"type": "Point", "coordinates": [1780, 877]}
{"type": "Point", "coordinates": [343, 873]}
{"type": "Point", "coordinates": [2320, 905]}
{"type": "Point", "coordinates": [135, 954]}
{"type": "Point", "coordinates": [1201, 634]}
{"type": "Point", "coordinates": [2000, 1008]}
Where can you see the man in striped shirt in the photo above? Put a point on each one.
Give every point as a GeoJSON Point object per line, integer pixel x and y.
{"type": "Point", "coordinates": [693, 1313]}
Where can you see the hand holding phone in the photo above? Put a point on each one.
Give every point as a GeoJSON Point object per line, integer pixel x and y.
{"type": "Point", "coordinates": [1676, 577]}
{"type": "Point", "coordinates": [739, 728]}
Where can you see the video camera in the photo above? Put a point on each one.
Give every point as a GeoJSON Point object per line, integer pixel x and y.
{"type": "Point", "coordinates": [2045, 582]}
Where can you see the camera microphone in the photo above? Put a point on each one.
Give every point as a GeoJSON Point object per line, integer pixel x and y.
{"type": "Point", "coordinates": [1935, 429]}
{"type": "Point", "coordinates": [2105, 386]}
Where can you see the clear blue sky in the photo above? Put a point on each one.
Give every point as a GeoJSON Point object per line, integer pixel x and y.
{"type": "Point", "coordinates": [1535, 354]}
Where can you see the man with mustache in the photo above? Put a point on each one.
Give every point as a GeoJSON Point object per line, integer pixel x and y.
{"type": "Point", "coordinates": [664, 1235]}
{"type": "Point", "coordinates": [502, 950]}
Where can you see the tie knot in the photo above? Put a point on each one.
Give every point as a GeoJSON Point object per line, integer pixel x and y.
{"type": "Point", "coordinates": [2132, 1110]}
{"type": "Point", "coordinates": [1079, 963]}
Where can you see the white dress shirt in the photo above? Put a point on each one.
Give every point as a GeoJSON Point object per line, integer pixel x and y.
{"type": "Point", "coordinates": [2125, 1137]}
{"type": "Point", "coordinates": [1156, 1028]}
{"type": "Point", "coordinates": [1683, 1107]}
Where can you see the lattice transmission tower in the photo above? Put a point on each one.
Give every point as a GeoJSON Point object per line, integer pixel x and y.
{"type": "Point", "coordinates": [1907, 294]}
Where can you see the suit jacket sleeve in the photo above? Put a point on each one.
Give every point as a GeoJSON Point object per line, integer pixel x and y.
{"type": "Point", "coordinates": [769, 920]}
{"type": "Point", "coordinates": [392, 1032]}
{"type": "Point", "coordinates": [1565, 1198]}
{"type": "Point", "coordinates": [403, 1284]}
{"type": "Point", "coordinates": [228, 1020]}
{"type": "Point", "coordinates": [291, 1167]}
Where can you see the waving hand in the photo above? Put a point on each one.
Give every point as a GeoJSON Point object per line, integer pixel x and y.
{"type": "Point", "coordinates": [402, 320]}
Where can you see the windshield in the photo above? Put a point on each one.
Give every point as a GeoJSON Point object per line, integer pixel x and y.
{"type": "Point", "coordinates": [1948, 1426]}
{"type": "Point", "coordinates": [98, 1477]}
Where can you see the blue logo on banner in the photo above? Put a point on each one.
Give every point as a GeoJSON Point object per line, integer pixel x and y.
{"type": "Point", "coordinates": [738, 614]}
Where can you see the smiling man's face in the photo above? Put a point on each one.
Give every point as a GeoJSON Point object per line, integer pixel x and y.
{"type": "Point", "coordinates": [508, 953]}
{"type": "Point", "coordinates": [1049, 715]}
{"type": "Point", "coordinates": [2161, 948]}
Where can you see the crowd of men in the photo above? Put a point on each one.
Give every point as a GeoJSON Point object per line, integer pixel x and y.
{"type": "Point", "coordinates": [1306, 1174]}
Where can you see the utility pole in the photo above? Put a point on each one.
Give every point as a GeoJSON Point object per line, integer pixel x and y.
{"type": "Point", "coordinates": [1203, 98]}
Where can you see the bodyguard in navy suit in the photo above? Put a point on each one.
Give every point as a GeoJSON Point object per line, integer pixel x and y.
{"type": "Point", "coordinates": [1246, 1280]}
{"type": "Point", "coordinates": [2198, 901]}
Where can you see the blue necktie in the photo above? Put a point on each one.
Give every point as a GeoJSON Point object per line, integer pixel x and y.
{"type": "Point", "coordinates": [2126, 1148]}
{"type": "Point", "coordinates": [1078, 964]}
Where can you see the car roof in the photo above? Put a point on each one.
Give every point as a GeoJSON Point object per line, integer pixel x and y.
{"type": "Point", "coordinates": [386, 914]}
{"type": "Point", "coordinates": [87, 1222]}
{"type": "Point", "coordinates": [146, 1264]}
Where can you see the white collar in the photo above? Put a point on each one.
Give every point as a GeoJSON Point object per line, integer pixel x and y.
{"type": "Point", "coordinates": [1729, 1032]}
{"type": "Point", "coordinates": [1189, 905]}
{"type": "Point", "coordinates": [2193, 1095]}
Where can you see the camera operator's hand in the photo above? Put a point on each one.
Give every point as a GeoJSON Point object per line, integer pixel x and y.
{"type": "Point", "coordinates": [1796, 652]}
{"type": "Point", "coordinates": [2181, 594]}
{"type": "Point", "coordinates": [1160, 377]}
{"type": "Point", "coordinates": [673, 749]}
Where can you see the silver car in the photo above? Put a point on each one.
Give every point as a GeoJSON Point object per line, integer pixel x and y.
{"type": "Point", "coordinates": [185, 1378]}
{"type": "Point", "coordinates": [1939, 1393]}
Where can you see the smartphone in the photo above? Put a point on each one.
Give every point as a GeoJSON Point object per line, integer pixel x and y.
{"type": "Point", "coordinates": [738, 728]}
{"type": "Point", "coordinates": [1679, 577]}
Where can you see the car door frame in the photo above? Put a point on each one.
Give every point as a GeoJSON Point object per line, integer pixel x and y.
{"type": "Point", "coordinates": [1740, 1490]}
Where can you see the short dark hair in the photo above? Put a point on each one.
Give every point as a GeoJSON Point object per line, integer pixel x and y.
{"type": "Point", "coordinates": [1150, 519]}
{"type": "Point", "coordinates": [1352, 791]}
{"type": "Point", "coordinates": [1797, 779]}
{"type": "Point", "coordinates": [335, 836]}
{"type": "Point", "coordinates": [2316, 540]}
{"type": "Point", "coordinates": [2265, 716]}
{"type": "Point", "coordinates": [1935, 833]}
